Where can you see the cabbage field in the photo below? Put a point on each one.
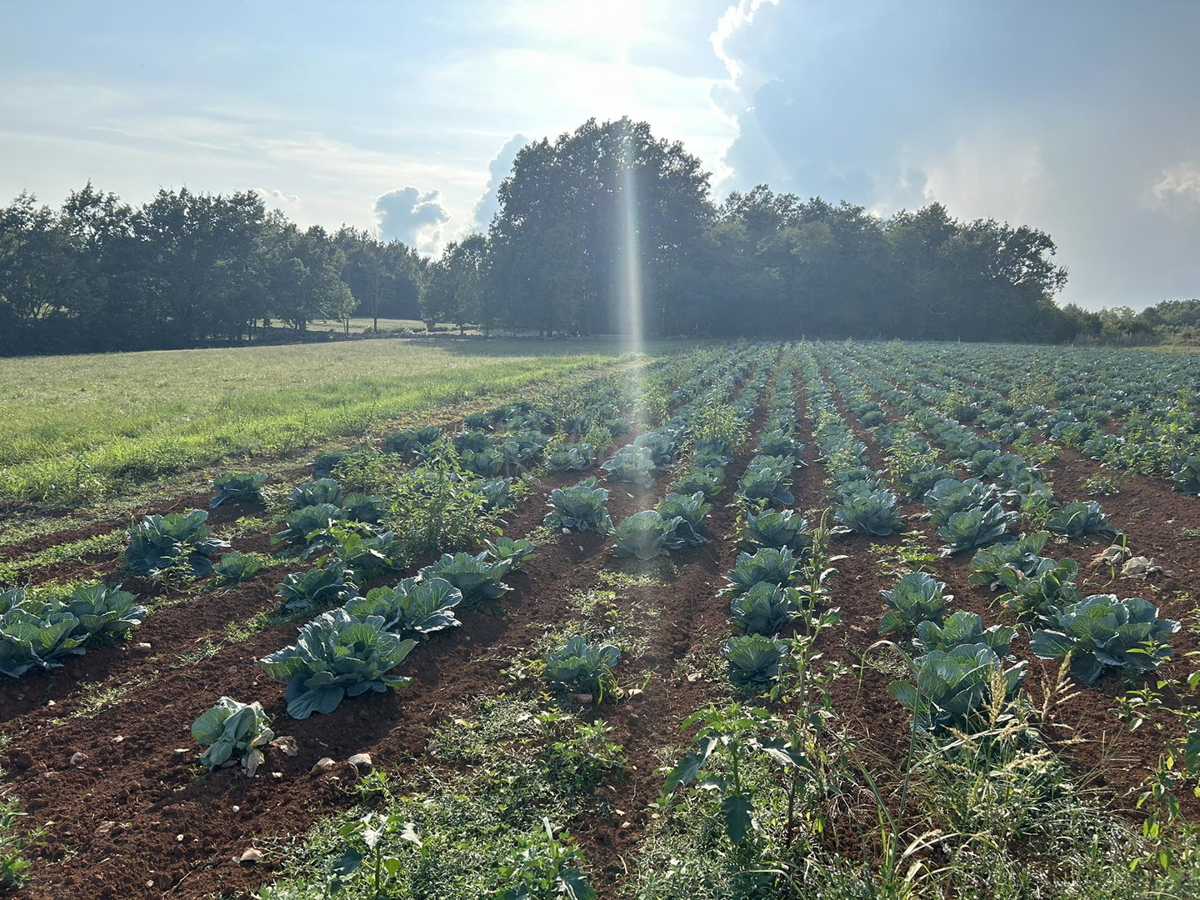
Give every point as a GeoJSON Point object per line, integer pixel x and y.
{"type": "Point", "coordinates": [774, 620]}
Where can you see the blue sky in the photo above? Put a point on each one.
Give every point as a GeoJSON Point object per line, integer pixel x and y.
{"type": "Point", "coordinates": [1080, 118]}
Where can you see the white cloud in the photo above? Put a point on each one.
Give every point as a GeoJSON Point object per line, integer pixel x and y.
{"type": "Point", "coordinates": [413, 217]}
{"type": "Point", "coordinates": [1177, 192]}
{"type": "Point", "coordinates": [498, 169]}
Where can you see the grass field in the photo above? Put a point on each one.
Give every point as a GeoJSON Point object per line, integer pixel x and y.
{"type": "Point", "coordinates": [75, 428]}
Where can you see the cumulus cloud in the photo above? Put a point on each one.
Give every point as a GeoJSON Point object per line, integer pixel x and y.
{"type": "Point", "coordinates": [413, 217]}
{"type": "Point", "coordinates": [279, 199]}
{"type": "Point", "coordinates": [1071, 121]}
{"type": "Point", "coordinates": [499, 168]}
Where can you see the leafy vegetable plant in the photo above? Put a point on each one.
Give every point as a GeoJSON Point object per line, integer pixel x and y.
{"type": "Point", "coordinates": [645, 535]}
{"type": "Point", "coordinates": [1021, 554]}
{"type": "Point", "coordinates": [1101, 632]}
{"type": "Point", "coordinates": [580, 508]}
{"type": "Point", "coordinates": [237, 488]}
{"type": "Point", "coordinates": [476, 577]}
{"type": "Point", "coordinates": [235, 566]}
{"type": "Point", "coordinates": [754, 661]}
{"type": "Point", "coordinates": [632, 465]}
{"type": "Point", "coordinates": [412, 607]}
{"type": "Point", "coordinates": [175, 540]}
{"type": "Point", "coordinates": [953, 686]}
{"type": "Point", "coordinates": [1080, 518]}
{"type": "Point", "coordinates": [320, 586]}
{"type": "Point", "coordinates": [775, 566]}
{"type": "Point", "coordinates": [916, 598]}
{"type": "Point", "coordinates": [691, 511]}
{"type": "Point", "coordinates": [233, 731]}
{"type": "Point", "coordinates": [869, 512]}
{"type": "Point", "coordinates": [337, 656]}
{"type": "Point", "coordinates": [775, 529]}
{"type": "Point", "coordinates": [973, 528]}
{"type": "Point", "coordinates": [764, 609]}
{"type": "Point", "coordinates": [583, 668]}
{"type": "Point", "coordinates": [314, 493]}
{"type": "Point", "coordinates": [960, 628]}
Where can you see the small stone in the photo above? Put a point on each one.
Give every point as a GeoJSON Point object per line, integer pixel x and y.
{"type": "Point", "coordinates": [287, 744]}
{"type": "Point", "coordinates": [237, 809]}
{"type": "Point", "coordinates": [250, 857]}
{"type": "Point", "coordinates": [360, 760]}
{"type": "Point", "coordinates": [77, 759]}
{"type": "Point", "coordinates": [324, 764]}
{"type": "Point", "coordinates": [143, 647]}
{"type": "Point", "coordinates": [179, 838]}
{"type": "Point", "coordinates": [118, 739]}
{"type": "Point", "coordinates": [694, 676]}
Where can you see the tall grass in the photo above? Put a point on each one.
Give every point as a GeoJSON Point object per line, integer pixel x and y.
{"type": "Point", "coordinates": [76, 428]}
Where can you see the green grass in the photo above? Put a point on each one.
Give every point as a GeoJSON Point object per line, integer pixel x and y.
{"type": "Point", "coordinates": [78, 428]}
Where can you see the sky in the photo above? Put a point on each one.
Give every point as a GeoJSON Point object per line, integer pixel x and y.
{"type": "Point", "coordinates": [1080, 118]}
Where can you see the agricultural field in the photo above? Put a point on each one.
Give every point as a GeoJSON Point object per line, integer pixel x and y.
{"type": "Point", "coordinates": [773, 620]}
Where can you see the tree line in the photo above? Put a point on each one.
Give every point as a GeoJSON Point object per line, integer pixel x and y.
{"type": "Point", "coordinates": [600, 230]}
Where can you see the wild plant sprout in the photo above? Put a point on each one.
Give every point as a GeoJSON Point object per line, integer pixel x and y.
{"type": "Point", "coordinates": [754, 661]}
{"type": "Point", "coordinates": [916, 598]}
{"type": "Point", "coordinates": [974, 528]}
{"type": "Point", "coordinates": [358, 507]}
{"type": "Point", "coordinates": [869, 512]}
{"type": "Point", "coordinates": [1041, 595]}
{"type": "Point", "coordinates": [774, 566]}
{"type": "Point", "coordinates": [476, 577]}
{"type": "Point", "coordinates": [1083, 517]}
{"type": "Point", "coordinates": [1021, 554]}
{"type": "Point", "coordinates": [583, 668]}
{"type": "Point", "coordinates": [630, 465]}
{"type": "Point", "coordinates": [580, 508]}
{"type": "Point", "coordinates": [237, 488]}
{"type": "Point", "coordinates": [691, 510]}
{"type": "Point", "coordinates": [233, 732]}
{"type": "Point", "coordinates": [337, 656]}
{"type": "Point", "coordinates": [545, 866]}
{"type": "Point", "coordinates": [950, 496]}
{"type": "Point", "coordinates": [514, 552]}
{"type": "Point", "coordinates": [708, 481]}
{"type": "Point", "coordinates": [953, 687]}
{"type": "Point", "coordinates": [157, 543]}
{"type": "Point", "coordinates": [317, 492]}
{"type": "Point", "coordinates": [764, 609]}
{"type": "Point", "coordinates": [413, 607]}
{"type": "Point", "coordinates": [320, 586]}
{"type": "Point", "coordinates": [960, 628]}
{"type": "Point", "coordinates": [235, 566]}
{"type": "Point", "coordinates": [775, 529]}
{"type": "Point", "coordinates": [1102, 632]}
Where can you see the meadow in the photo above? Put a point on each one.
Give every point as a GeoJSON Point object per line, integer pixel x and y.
{"type": "Point", "coordinates": [78, 428]}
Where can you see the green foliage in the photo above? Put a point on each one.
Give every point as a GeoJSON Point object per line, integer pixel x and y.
{"type": "Point", "coordinates": [476, 577]}
{"type": "Point", "coordinates": [234, 566]}
{"type": "Point", "coordinates": [358, 507]}
{"type": "Point", "coordinates": [645, 535]}
{"type": "Point", "coordinates": [314, 493]}
{"type": "Point", "coordinates": [174, 541]}
{"type": "Point", "coordinates": [869, 512]}
{"type": "Point", "coordinates": [690, 511]}
{"type": "Point", "coordinates": [916, 598]}
{"type": "Point", "coordinates": [412, 608]}
{"type": "Point", "coordinates": [238, 488]}
{"type": "Point", "coordinates": [14, 843]}
{"type": "Point", "coordinates": [583, 668]}
{"type": "Point", "coordinates": [233, 731]}
{"type": "Point", "coordinates": [630, 465]}
{"type": "Point", "coordinates": [308, 523]}
{"type": "Point", "coordinates": [1021, 554]}
{"type": "Point", "coordinates": [766, 481]}
{"type": "Point", "coordinates": [754, 661]}
{"type": "Point", "coordinates": [337, 656]}
{"type": "Point", "coordinates": [960, 628]}
{"type": "Point", "coordinates": [952, 687]}
{"type": "Point", "coordinates": [487, 463]}
{"type": "Point", "coordinates": [320, 586]}
{"type": "Point", "coordinates": [764, 609]}
{"type": "Point", "coordinates": [950, 496]}
{"type": "Point", "coordinates": [1185, 475]}
{"type": "Point", "coordinates": [572, 458]}
{"type": "Point", "coordinates": [1042, 594]}
{"type": "Point", "coordinates": [775, 529]}
{"type": "Point", "coordinates": [545, 868]}
{"type": "Point", "coordinates": [411, 441]}
{"type": "Point", "coordinates": [775, 566]}
{"type": "Point", "coordinates": [514, 552]}
{"type": "Point", "coordinates": [1101, 632]}
{"type": "Point", "coordinates": [708, 481]}
{"type": "Point", "coordinates": [1080, 518]}
{"type": "Point", "coordinates": [579, 508]}
{"type": "Point", "coordinates": [974, 528]}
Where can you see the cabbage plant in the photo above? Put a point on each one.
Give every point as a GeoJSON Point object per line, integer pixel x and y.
{"type": "Point", "coordinates": [320, 586]}
{"type": "Point", "coordinates": [708, 481]}
{"type": "Point", "coordinates": [497, 493]}
{"type": "Point", "coordinates": [775, 566]}
{"type": "Point", "coordinates": [233, 731]}
{"type": "Point", "coordinates": [659, 443]}
{"type": "Point", "coordinates": [754, 661]}
{"type": "Point", "coordinates": [953, 686]}
{"type": "Point", "coordinates": [766, 484]}
{"type": "Point", "coordinates": [570, 459]}
{"type": "Point", "coordinates": [476, 577]}
{"type": "Point", "coordinates": [412, 607]}
{"type": "Point", "coordinates": [1043, 593]}
{"type": "Point", "coordinates": [917, 597]}
{"type": "Point", "coordinates": [337, 656]}
{"type": "Point", "coordinates": [1185, 475]}
{"type": "Point", "coordinates": [412, 441]}
{"type": "Point", "coordinates": [513, 552]}
{"type": "Point", "coordinates": [580, 508]}
{"type": "Point", "coordinates": [869, 512]}
{"type": "Point", "coordinates": [764, 609]}
{"type": "Point", "coordinates": [473, 441]}
{"type": "Point", "coordinates": [960, 628]}
{"type": "Point", "coordinates": [775, 529]}
{"type": "Point", "coordinates": [314, 493]}
{"type": "Point", "coordinates": [645, 535]}
{"type": "Point", "coordinates": [1101, 632]}
{"type": "Point", "coordinates": [1080, 518]}
{"type": "Point", "coordinates": [101, 609]}
{"type": "Point", "coordinates": [630, 465]}
{"type": "Point", "coordinates": [950, 496]}
{"type": "Point", "coordinates": [176, 539]}
{"type": "Point", "coordinates": [308, 523]}
{"type": "Point", "coordinates": [487, 462]}
{"type": "Point", "coordinates": [583, 668]}
{"type": "Point", "coordinates": [974, 528]}
{"type": "Point", "coordinates": [778, 442]}
{"type": "Point", "coordinates": [691, 511]}
{"type": "Point", "coordinates": [235, 566]}
{"type": "Point", "coordinates": [358, 507]}
{"type": "Point", "coordinates": [238, 487]}
{"type": "Point", "coordinates": [1021, 554]}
